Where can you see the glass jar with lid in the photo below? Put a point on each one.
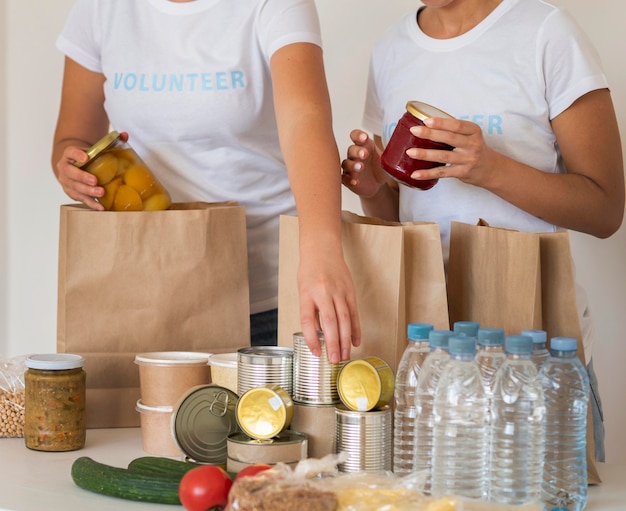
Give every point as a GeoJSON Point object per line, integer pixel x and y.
{"type": "Point", "coordinates": [54, 402]}
{"type": "Point", "coordinates": [394, 159]}
{"type": "Point", "coordinates": [129, 185]}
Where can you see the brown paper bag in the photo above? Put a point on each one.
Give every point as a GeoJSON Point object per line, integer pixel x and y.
{"type": "Point", "coordinates": [515, 281]}
{"type": "Point", "coordinates": [132, 282]}
{"type": "Point", "coordinates": [398, 273]}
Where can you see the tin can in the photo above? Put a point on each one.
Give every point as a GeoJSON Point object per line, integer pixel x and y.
{"type": "Point", "coordinates": [394, 159]}
{"type": "Point", "coordinates": [315, 421]}
{"type": "Point", "coordinates": [129, 185]}
{"type": "Point", "coordinates": [314, 378]}
{"type": "Point", "coordinates": [202, 420]}
{"type": "Point", "coordinates": [366, 384]}
{"type": "Point", "coordinates": [261, 365]}
{"type": "Point", "coordinates": [263, 412]}
{"type": "Point", "coordinates": [288, 447]}
{"type": "Point", "coordinates": [367, 437]}
{"type": "Point", "coordinates": [54, 402]}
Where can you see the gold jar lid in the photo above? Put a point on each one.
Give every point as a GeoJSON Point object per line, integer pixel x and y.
{"type": "Point", "coordinates": [101, 145]}
{"type": "Point", "coordinates": [423, 111]}
{"type": "Point", "coordinates": [263, 412]}
{"type": "Point", "coordinates": [365, 384]}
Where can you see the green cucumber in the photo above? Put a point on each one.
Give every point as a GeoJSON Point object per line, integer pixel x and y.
{"type": "Point", "coordinates": [158, 465]}
{"type": "Point", "coordinates": [124, 483]}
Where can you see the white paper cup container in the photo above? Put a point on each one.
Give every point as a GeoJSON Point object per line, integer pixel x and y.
{"type": "Point", "coordinates": [224, 370]}
{"type": "Point", "coordinates": [156, 432]}
{"type": "Point", "coordinates": [164, 376]}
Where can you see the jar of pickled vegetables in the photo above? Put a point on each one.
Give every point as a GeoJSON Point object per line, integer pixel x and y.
{"type": "Point", "coordinates": [54, 402]}
{"type": "Point", "coordinates": [394, 159]}
{"type": "Point", "coordinates": [129, 185]}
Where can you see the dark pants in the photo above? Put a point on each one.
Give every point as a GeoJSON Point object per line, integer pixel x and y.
{"type": "Point", "coordinates": [264, 328]}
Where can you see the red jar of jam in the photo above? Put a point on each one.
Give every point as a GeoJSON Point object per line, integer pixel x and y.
{"type": "Point", "coordinates": [394, 158]}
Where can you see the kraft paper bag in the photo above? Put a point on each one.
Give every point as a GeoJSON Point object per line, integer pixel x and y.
{"type": "Point", "coordinates": [397, 270]}
{"type": "Point", "coordinates": [134, 282]}
{"type": "Point", "coordinates": [516, 280]}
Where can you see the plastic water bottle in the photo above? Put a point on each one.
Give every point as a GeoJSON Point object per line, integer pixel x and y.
{"type": "Point", "coordinates": [490, 356]}
{"type": "Point", "coordinates": [469, 328]}
{"type": "Point", "coordinates": [404, 396]}
{"type": "Point", "coordinates": [566, 389]}
{"type": "Point", "coordinates": [517, 427]}
{"type": "Point", "coordinates": [460, 432]}
{"type": "Point", "coordinates": [540, 353]}
{"type": "Point", "coordinates": [424, 399]}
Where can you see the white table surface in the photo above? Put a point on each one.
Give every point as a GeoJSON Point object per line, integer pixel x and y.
{"type": "Point", "coordinates": [41, 481]}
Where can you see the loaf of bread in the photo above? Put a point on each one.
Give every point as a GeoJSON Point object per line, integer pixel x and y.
{"type": "Point", "coordinates": [267, 494]}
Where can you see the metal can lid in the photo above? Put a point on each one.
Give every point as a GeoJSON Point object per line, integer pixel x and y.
{"type": "Point", "coordinates": [265, 355]}
{"type": "Point", "coordinates": [202, 420]}
{"type": "Point", "coordinates": [54, 361]}
{"type": "Point", "coordinates": [101, 145]}
{"type": "Point", "coordinates": [359, 385]}
{"type": "Point", "coordinates": [424, 111]}
{"type": "Point", "coordinates": [263, 412]}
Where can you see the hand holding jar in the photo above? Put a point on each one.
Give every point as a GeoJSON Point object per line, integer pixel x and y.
{"type": "Point", "coordinates": [128, 183]}
{"type": "Point", "coordinates": [397, 159]}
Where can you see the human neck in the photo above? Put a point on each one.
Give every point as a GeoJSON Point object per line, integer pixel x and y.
{"type": "Point", "coordinates": [455, 18]}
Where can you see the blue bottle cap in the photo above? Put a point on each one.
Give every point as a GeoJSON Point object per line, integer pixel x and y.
{"type": "Point", "coordinates": [538, 336]}
{"type": "Point", "coordinates": [469, 328]}
{"type": "Point", "coordinates": [439, 338]}
{"type": "Point", "coordinates": [519, 344]}
{"type": "Point", "coordinates": [490, 336]}
{"type": "Point", "coordinates": [563, 344]}
{"type": "Point", "coordinates": [462, 345]}
{"type": "Point", "coordinates": [419, 331]}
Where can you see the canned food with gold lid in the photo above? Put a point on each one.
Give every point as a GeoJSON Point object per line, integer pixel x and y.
{"type": "Point", "coordinates": [129, 185]}
{"type": "Point", "coordinates": [366, 384]}
{"type": "Point", "coordinates": [263, 412]}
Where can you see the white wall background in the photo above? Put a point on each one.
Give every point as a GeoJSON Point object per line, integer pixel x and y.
{"type": "Point", "coordinates": [30, 80]}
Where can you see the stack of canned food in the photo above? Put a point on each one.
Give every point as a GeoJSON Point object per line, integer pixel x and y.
{"type": "Point", "coordinates": [290, 405]}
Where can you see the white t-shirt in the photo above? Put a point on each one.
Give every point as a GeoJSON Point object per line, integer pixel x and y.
{"type": "Point", "coordinates": [190, 82]}
{"type": "Point", "coordinates": [512, 74]}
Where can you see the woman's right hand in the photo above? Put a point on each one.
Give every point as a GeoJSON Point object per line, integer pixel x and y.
{"type": "Point", "coordinates": [78, 184]}
{"type": "Point", "coordinates": [362, 172]}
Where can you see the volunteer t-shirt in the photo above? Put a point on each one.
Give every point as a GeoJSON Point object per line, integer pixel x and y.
{"type": "Point", "coordinates": [190, 82]}
{"type": "Point", "coordinates": [512, 74]}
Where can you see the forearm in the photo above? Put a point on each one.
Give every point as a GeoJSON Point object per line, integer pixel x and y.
{"type": "Point", "coordinates": [589, 198]}
{"type": "Point", "coordinates": [571, 201]}
{"type": "Point", "coordinates": [385, 204]}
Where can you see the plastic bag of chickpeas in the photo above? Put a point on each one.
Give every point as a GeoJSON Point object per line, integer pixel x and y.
{"type": "Point", "coordinates": [12, 397]}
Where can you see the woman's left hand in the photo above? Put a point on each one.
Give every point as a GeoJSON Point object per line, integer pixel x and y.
{"type": "Point", "coordinates": [470, 160]}
{"type": "Point", "coordinates": [328, 303]}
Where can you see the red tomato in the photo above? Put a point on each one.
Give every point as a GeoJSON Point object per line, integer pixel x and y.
{"type": "Point", "coordinates": [205, 487]}
{"type": "Point", "coordinates": [251, 470]}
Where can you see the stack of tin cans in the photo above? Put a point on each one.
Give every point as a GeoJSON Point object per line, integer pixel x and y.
{"type": "Point", "coordinates": [365, 420]}
{"type": "Point", "coordinates": [265, 410]}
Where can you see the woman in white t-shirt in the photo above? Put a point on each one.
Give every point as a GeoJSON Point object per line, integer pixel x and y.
{"type": "Point", "coordinates": [223, 101]}
{"type": "Point", "coordinates": [537, 146]}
